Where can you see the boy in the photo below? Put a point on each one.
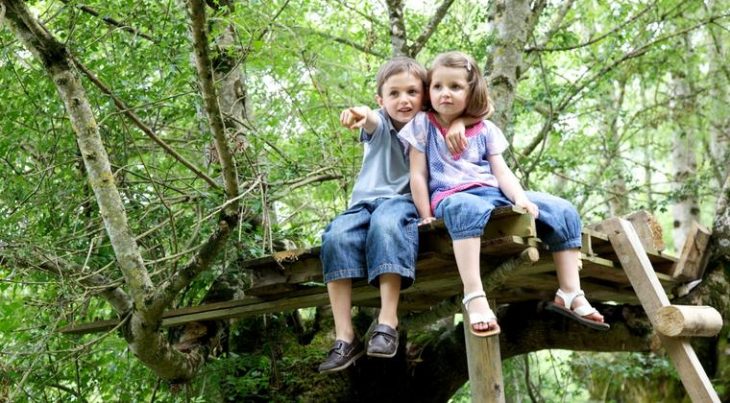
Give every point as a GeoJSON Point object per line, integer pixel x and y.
{"type": "Point", "coordinates": [377, 237]}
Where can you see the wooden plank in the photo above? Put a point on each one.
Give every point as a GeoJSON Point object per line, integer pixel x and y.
{"type": "Point", "coordinates": [603, 269]}
{"type": "Point", "coordinates": [693, 260]}
{"type": "Point", "coordinates": [638, 268]}
{"type": "Point", "coordinates": [504, 221]}
{"type": "Point", "coordinates": [504, 246]}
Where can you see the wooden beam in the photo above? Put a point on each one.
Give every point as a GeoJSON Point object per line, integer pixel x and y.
{"type": "Point", "coordinates": [689, 320]}
{"type": "Point", "coordinates": [638, 268]}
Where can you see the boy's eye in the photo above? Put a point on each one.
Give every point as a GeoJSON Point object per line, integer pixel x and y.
{"type": "Point", "coordinates": [436, 86]}
{"type": "Point", "coordinates": [412, 92]}
{"type": "Point", "coordinates": [393, 93]}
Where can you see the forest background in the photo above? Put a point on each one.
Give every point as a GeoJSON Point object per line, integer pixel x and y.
{"type": "Point", "coordinates": [148, 148]}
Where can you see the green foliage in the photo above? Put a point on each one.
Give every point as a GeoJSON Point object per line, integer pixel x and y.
{"type": "Point", "coordinates": [628, 377]}
{"type": "Point", "coordinates": [299, 74]}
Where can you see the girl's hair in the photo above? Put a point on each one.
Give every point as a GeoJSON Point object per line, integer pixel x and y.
{"type": "Point", "coordinates": [399, 65]}
{"type": "Point", "coordinates": [478, 104]}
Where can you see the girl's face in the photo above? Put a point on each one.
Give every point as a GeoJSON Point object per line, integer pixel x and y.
{"type": "Point", "coordinates": [449, 92]}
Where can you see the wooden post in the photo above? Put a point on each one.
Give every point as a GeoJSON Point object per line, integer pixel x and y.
{"type": "Point", "coordinates": [638, 268]}
{"type": "Point", "coordinates": [485, 365]}
{"type": "Point", "coordinates": [689, 320]}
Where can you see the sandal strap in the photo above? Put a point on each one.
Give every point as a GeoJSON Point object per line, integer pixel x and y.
{"type": "Point", "coordinates": [569, 297]}
{"type": "Point", "coordinates": [471, 296]}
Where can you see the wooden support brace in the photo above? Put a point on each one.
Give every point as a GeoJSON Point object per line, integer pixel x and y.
{"type": "Point", "coordinates": [689, 320]}
{"type": "Point", "coordinates": [638, 268]}
{"type": "Point", "coordinates": [485, 365]}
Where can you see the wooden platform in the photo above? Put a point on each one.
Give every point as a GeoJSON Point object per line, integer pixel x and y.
{"type": "Point", "coordinates": [293, 279]}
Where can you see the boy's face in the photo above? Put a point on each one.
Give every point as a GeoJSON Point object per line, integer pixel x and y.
{"type": "Point", "coordinates": [402, 98]}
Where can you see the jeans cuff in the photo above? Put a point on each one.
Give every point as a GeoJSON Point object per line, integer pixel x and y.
{"type": "Point", "coordinates": [408, 275]}
{"type": "Point", "coordinates": [565, 245]}
{"type": "Point", "coordinates": [465, 234]}
{"type": "Point", "coordinates": [343, 274]}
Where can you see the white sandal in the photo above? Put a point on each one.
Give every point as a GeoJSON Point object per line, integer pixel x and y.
{"type": "Point", "coordinates": [475, 318]}
{"type": "Point", "coordinates": [579, 314]}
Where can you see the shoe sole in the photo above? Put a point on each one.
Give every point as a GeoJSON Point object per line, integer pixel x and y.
{"type": "Point", "coordinates": [383, 355]}
{"type": "Point", "coordinates": [343, 366]}
{"type": "Point", "coordinates": [553, 307]}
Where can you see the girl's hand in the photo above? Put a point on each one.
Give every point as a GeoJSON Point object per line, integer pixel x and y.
{"type": "Point", "coordinates": [354, 118]}
{"type": "Point", "coordinates": [426, 220]}
{"type": "Point", "coordinates": [529, 206]}
{"type": "Point", "coordinates": [456, 138]}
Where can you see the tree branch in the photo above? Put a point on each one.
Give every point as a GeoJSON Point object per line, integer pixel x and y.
{"type": "Point", "coordinates": [542, 48]}
{"type": "Point", "coordinates": [343, 41]}
{"type": "Point", "coordinates": [112, 21]}
{"type": "Point", "coordinates": [556, 22]}
{"type": "Point", "coordinates": [142, 126]}
{"type": "Point", "coordinates": [142, 332]}
{"type": "Point", "coordinates": [57, 63]}
{"type": "Point", "coordinates": [119, 300]}
{"type": "Point", "coordinates": [430, 28]}
{"type": "Point", "coordinates": [196, 9]}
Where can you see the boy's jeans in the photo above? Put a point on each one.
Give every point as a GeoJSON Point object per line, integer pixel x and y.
{"type": "Point", "coordinates": [466, 213]}
{"type": "Point", "coordinates": [372, 238]}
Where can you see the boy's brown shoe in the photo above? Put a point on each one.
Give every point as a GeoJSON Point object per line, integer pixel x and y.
{"type": "Point", "coordinates": [384, 342]}
{"type": "Point", "coordinates": [342, 355]}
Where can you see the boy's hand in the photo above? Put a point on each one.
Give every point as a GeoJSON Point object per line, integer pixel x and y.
{"type": "Point", "coordinates": [528, 205]}
{"type": "Point", "coordinates": [456, 137]}
{"type": "Point", "coordinates": [355, 118]}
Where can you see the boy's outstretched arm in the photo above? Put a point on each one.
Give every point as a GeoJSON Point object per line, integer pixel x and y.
{"type": "Point", "coordinates": [510, 185]}
{"type": "Point", "coordinates": [419, 185]}
{"type": "Point", "coordinates": [360, 117]}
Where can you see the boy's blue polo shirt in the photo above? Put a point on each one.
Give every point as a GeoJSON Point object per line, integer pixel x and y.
{"type": "Point", "coordinates": [385, 171]}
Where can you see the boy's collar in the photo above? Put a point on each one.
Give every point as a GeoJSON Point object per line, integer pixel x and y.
{"type": "Point", "coordinates": [388, 119]}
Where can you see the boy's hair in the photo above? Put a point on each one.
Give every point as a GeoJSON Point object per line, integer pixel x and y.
{"type": "Point", "coordinates": [478, 104]}
{"type": "Point", "coordinates": [399, 65]}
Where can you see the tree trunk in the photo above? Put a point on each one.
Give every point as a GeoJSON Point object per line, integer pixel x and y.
{"type": "Point", "coordinates": [508, 22]}
{"type": "Point", "coordinates": [618, 200]}
{"type": "Point", "coordinates": [686, 209]}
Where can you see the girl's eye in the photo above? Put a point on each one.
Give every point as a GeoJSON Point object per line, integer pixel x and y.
{"type": "Point", "coordinates": [437, 86]}
{"type": "Point", "coordinates": [412, 92]}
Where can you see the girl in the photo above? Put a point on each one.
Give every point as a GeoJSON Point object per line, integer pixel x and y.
{"type": "Point", "coordinates": [464, 188]}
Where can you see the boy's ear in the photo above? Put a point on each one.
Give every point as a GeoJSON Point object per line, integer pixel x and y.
{"type": "Point", "coordinates": [379, 100]}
